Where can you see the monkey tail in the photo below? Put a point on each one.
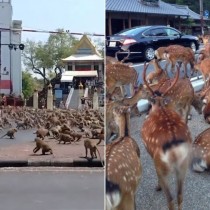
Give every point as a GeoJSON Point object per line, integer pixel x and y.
{"type": "Point", "coordinates": [3, 136]}
{"type": "Point", "coordinates": [100, 157]}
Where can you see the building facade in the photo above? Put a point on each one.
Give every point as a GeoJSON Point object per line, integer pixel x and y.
{"type": "Point", "coordinates": [122, 14]}
{"type": "Point", "coordinates": [84, 73]}
{"type": "Point", "coordinates": [10, 54]}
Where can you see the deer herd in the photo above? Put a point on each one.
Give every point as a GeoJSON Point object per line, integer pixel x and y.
{"type": "Point", "coordinates": [165, 132]}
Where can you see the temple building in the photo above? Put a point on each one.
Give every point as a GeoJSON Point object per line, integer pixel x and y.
{"type": "Point", "coordinates": [84, 69]}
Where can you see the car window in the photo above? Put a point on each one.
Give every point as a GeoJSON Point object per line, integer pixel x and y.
{"type": "Point", "coordinates": [172, 32]}
{"type": "Point", "coordinates": [156, 32]}
{"type": "Point", "coordinates": [132, 31]}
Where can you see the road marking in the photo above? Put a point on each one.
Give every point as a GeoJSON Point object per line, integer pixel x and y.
{"type": "Point", "coordinates": [50, 169]}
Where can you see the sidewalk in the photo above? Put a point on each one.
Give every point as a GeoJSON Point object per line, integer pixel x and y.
{"type": "Point", "coordinates": [71, 155]}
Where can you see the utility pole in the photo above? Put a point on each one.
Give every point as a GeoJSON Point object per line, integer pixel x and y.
{"type": "Point", "coordinates": [201, 15]}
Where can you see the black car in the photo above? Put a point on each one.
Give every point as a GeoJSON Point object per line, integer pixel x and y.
{"type": "Point", "coordinates": [144, 40]}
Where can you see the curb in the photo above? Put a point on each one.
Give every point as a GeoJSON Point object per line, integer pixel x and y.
{"type": "Point", "coordinates": [55, 163]}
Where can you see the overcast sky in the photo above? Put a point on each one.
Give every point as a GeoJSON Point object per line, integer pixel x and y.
{"type": "Point", "coordinates": [81, 16]}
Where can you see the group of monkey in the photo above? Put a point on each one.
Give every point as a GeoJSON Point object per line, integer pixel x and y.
{"type": "Point", "coordinates": [63, 125]}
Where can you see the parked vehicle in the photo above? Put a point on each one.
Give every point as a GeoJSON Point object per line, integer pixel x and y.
{"type": "Point", "coordinates": [144, 40]}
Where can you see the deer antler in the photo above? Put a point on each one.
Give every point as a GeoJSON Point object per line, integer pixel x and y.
{"type": "Point", "coordinates": [174, 82]}
{"type": "Point", "coordinates": [144, 78]}
{"type": "Point", "coordinates": [125, 58]}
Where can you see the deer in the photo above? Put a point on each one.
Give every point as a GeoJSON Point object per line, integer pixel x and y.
{"type": "Point", "coordinates": [204, 53]}
{"type": "Point", "coordinates": [168, 141]}
{"type": "Point", "coordinates": [176, 53]}
{"type": "Point", "coordinates": [205, 39]}
{"type": "Point", "coordinates": [204, 68]}
{"type": "Point", "coordinates": [158, 74]}
{"type": "Point", "coordinates": [118, 75]}
{"type": "Point", "coordinates": [182, 96]}
{"type": "Point", "coordinates": [201, 152]}
{"type": "Point", "coordinates": [123, 171]}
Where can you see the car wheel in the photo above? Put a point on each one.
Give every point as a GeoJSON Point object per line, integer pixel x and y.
{"type": "Point", "coordinates": [149, 53]}
{"type": "Point", "coordinates": [193, 46]}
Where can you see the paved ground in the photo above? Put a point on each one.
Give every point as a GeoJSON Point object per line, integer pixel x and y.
{"type": "Point", "coordinates": [196, 188]}
{"type": "Point", "coordinates": [21, 148]}
{"type": "Point", "coordinates": [51, 188]}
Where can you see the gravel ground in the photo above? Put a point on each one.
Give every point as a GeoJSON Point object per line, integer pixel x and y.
{"type": "Point", "coordinates": [196, 187]}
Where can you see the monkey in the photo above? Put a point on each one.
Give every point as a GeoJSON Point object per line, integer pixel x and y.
{"type": "Point", "coordinates": [42, 132]}
{"type": "Point", "coordinates": [10, 133]}
{"type": "Point", "coordinates": [65, 127]}
{"type": "Point", "coordinates": [20, 125]}
{"type": "Point", "coordinates": [91, 145]}
{"type": "Point", "coordinates": [40, 144]}
{"type": "Point", "coordinates": [65, 138]}
{"type": "Point", "coordinates": [101, 137]}
{"type": "Point", "coordinates": [76, 136]}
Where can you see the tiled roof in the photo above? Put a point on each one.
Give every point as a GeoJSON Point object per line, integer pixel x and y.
{"type": "Point", "coordinates": [185, 9]}
{"type": "Point", "coordinates": [135, 6]}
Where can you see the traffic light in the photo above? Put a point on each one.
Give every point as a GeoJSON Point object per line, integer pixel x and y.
{"type": "Point", "coordinates": [21, 46]}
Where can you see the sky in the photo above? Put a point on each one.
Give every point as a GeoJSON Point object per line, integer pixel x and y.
{"type": "Point", "coordinates": [80, 16]}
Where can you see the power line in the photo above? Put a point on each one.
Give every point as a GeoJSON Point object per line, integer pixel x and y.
{"type": "Point", "coordinates": [51, 32]}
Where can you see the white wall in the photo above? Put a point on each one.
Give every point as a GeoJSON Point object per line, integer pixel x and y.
{"type": "Point", "coordinates": [10, 59]}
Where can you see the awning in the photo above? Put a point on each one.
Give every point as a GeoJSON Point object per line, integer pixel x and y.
{"type": "Point", "coordinates": [67, 78]}
{"type": "Point", "coordinates": [80, 74]}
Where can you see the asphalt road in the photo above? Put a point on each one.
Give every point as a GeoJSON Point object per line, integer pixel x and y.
{"type": "Point", "coordinates": [51, 189]}
{"type": "Point", "coordinates": [197, 185]}
{"type": "Point", "coordinates": [21, 136]}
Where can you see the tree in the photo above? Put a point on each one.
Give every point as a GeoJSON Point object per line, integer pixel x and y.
{"type": "Point", "coordinates": [28, 84]}
{"type": "Point", "coordinates": [41, 57]}
{"type": "Point", "coordinates": [100, 45]}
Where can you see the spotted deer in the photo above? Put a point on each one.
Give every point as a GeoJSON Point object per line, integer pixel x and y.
{"type": "Point", "coordinates": [176, 53]}
{"type": "Point", "coordinates": [206, 108]}
{"type": "Point", "coordinates": [205, 39]}
{"type": "Point", "coordinates": [182, 96]}
{"type": "Point", "coordinates": [201, 152]}
{"type": "Point", "coordinates": [123, 166]}
{"type": "Point", "coordinates": [118, 75]}
{"type": "Point", "coordinates": [204, 68]}
{"type": "Point", "coordinates": [204, 53]}
{"type": "Point", "coordinates": [168, 141]}
{"type": "Point", "coordinates": [158, 74]}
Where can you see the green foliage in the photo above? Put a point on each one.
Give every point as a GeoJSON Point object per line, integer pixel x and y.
{"type": "Point", "coordinates": [28, 84]}
{"type": "Point", "coordinates": [193, 5]}
{"type": "Point", "coordinates": [40, 57]}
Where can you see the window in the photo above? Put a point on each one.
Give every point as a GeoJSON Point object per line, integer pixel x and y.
{"type": "Point", "coordinates": [84, 67]}
{"type": "Point", "coordinates": [96, 67]}
{"type": "Point", "coordinates": [172, 32]}
{"type": "Point", "coordinates": [158, 32]}
{"type": "Point", "coordinates": [69, 67]}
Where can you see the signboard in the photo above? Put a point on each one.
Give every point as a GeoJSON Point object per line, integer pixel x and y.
{"type": "Point", "coordinates": [206, 13]}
